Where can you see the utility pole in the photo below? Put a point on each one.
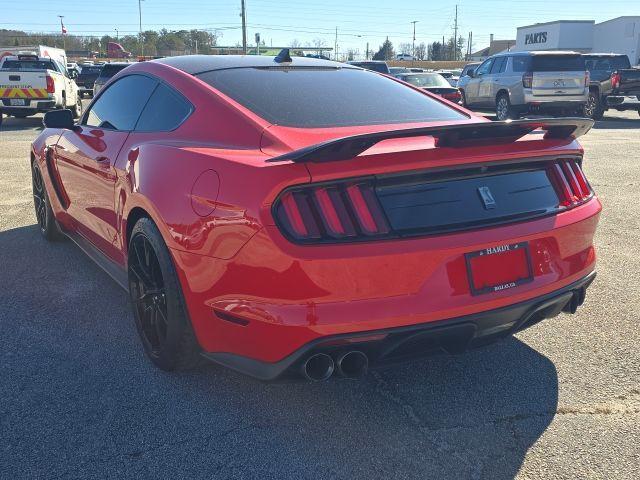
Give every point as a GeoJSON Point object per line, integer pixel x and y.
{"type": "Point", "coordinates": [366, 56]}
{"type": "Point", "coordinates": [64, 42]}
{"type": "Point", "coordinates": [140, 30]}
{"type": "Point", "coordinates": [117, 36]}
{"type": "Point", "coordinates": [455, 36]}
{"type": "Point", "coordinates": [413, 45]}
{"type": "Point", "coordinates": [243, 14]}
{"type": "Point", "coordinates": [335, 49]}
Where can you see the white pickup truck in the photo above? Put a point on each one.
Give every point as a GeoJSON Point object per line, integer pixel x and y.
{"type": "Point", "coordinates": [30, 84]}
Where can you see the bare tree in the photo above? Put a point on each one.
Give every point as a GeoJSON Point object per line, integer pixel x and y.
{"type": "Point", "coordinates": [421, 51]}
{"type": "Point", "coordinates": [405, 48]}
{"type": "Point", "coordinates": [295, 43]}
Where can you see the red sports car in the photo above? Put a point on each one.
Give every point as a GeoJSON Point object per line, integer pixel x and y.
{"type": "Point", "coordinates": [293, 215]}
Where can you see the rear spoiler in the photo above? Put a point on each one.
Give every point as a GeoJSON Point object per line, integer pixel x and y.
{"type": "Point", "coordinates": [445, 136]}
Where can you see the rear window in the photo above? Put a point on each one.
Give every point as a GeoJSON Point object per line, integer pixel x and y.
{"type": "Point", "coordinates": [607, 63]}
{"type": "Point", "coordinates": [90, 70]}
{"type": "Point", "coordinates": [426, 80]}
{"type": "Point", "coordinates": [326, 97]}
{"type": "Point", "coordinates": [557, 63]}
{"type": "Point", "coordinates": [28, 65]}
{"type": "Point", "coordinates": [111, 70]}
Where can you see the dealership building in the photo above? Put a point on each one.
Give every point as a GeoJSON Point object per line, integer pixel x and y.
{"type": "Point", "coordinates": [618, 35]}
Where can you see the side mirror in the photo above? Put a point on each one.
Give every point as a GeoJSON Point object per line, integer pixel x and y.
{"type": "Point", "coordinates": [59, 119]}
{"type": "Point", "coordinates": [73, 74]}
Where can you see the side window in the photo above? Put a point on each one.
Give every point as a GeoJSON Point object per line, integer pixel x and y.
{"type": "Point", "coordinates": [119, 106]}
{"type": "Point", "coordinates": [485, 67]}
{"type": "Point", "coordinates": [165, 111]}
{"type": "Point", "coordinates": [498, 65]}
{"type": "Point", "coordinates": [520, 63]}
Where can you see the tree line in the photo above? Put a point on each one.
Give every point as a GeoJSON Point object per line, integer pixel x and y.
{"type": "Point", "coordinates": [156, 43]}
{"type": "Point", "coordinates": [436, 51]}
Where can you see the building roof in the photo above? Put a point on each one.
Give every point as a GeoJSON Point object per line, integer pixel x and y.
{"type": "Point", "coordinates": [624, 17]}
{"type": "Point", "coordinates": [555, 22]}
{"type": "Point", "coordinates": [496, 46]}
{"type": "Point", "coordinates": [195, 64]}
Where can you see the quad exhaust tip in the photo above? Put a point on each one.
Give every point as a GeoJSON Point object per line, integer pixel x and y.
{"type": "Point", "coordinates": [353, 364]}
{"type": "Point", "coordinates": [318, 367]}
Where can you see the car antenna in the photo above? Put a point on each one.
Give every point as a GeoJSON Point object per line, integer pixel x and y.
{"type": "Point", "coordinates": [283, 56]}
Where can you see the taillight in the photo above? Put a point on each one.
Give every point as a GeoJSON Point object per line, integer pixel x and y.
{"type": "Point", "coordinates": [453, 96]}
{"type": "Point", "coordinates": [615, 80]}
{"type": "Point", "coordinates": [329, 213]}
{"type": "Point", "coordinates": [570, 183]}
{"type": "Point", "coordinates": [527, 79]}
{"type": "Point", "coordinates": [51, 86]}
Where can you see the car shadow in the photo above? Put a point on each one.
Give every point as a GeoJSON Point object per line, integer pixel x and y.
{"type": "Point", "coordinates": [12, 124]}
{"type": "Point", "coordinates": [78, 374]}
{"type": "Point", "coordinates": [617, 123]}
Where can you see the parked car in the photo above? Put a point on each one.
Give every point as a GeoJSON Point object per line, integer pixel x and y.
{"type": "Point", "coordinates": [87, 78]}
{"type": "Point", "coordinates": [30, 84]}
{"type": "Point", "coordinates": [449, 76]}
{"type": "Point", "coordinates": [431, 82]}
{"type": "Point", "coordinates": [404, 57]}
{"type": "Point", "coordinates": [468, 68]}
{"type": "Point", "coordinates": [107, 71]}
{"type": "Point", "coordinates": [396, 70]}
{"type": "Point", "coordinates": [516, 83]}
{"type": "Point", "coordinates": [605, 71]}
{"type": "Point", "coordinates": [625, 90]}
{"type": "Point", "coordinates": [375, 65]}
{"type": "Point", "coordinates": [273, 236]}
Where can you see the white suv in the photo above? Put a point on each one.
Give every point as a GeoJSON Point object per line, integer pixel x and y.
{"type": "Point", "coordinates": [517, 83]}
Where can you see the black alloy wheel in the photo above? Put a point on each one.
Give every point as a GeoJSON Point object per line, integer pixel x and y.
{"type": "Point", "coordinates": [39, 200]}
{"type": "Point", "coordinates": [44, 214]}
{"type": "Point", "coordinates": [148, 295]}
{"type": "Point", "coordinates": [159, 308]}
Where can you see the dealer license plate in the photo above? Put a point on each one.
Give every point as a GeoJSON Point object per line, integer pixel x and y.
{"type": "Point", "coordinates": [499, 267]}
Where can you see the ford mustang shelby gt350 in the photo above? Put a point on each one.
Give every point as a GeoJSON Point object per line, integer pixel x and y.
{"type": "Point", "coordinates": [280, 215]}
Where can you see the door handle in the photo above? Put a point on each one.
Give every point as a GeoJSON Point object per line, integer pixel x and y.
{"type": "Point", "coordinates": [103, 162]}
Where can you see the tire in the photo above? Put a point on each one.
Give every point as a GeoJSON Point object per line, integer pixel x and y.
{"type": "Point", "coordinates": [77, 108]}
{"type": "Point", "coordinates": [504, 110]}
{"type": "Point", "coordinates": [47, 223]}
{"type": "Point", "coordinates": [593, 108]}
{"type": "Point", "coordinates": [463, 99]}
{"type": "Point", "coordinates": [158, 304]}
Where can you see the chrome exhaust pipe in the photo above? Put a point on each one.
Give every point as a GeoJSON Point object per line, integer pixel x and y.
{"type": "Point", "coordinates": [318, 367]}
{"type": "Point", "coordinates": [353, 364]}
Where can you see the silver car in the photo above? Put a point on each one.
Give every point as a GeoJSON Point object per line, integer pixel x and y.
{"type": "Point", "coordinates": [517, 83]}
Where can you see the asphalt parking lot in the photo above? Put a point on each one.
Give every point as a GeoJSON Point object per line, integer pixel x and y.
{"type": "Point", "coordinates": [79, 400]}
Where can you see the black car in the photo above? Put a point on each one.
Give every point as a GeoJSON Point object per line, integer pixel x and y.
{"type": "Point", "coordinates": [605, 73]}
{"type": "Point", "coordinates": [86, 78]}
{"type": "Point", "coordinates": [375, 65]}
{"type": "Point", "coordinates": [107, 71]}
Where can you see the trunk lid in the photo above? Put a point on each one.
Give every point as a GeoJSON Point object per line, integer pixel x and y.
{"type": "Point", "coordinates": [558, 83]}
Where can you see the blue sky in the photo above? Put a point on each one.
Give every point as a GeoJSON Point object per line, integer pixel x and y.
{"type": "Point", "coordinates": [279, 22]}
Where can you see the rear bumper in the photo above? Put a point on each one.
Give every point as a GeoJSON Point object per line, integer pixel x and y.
{"type": "Point", "coordinates": [32, 108]}
{"type": "Point", "coordinates": [621, 102]}
{"type": "Point", "coordinates": [394, 345]}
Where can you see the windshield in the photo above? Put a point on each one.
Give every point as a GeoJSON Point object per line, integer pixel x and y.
{"type": "Point", "coordinates": [28, 65]}
{"type": "Point", "coordinates": [375, 66]}
{"type": "Point", "coordinates": [326, 97]}
{"type": "Point", "coordinates": [426, 80]}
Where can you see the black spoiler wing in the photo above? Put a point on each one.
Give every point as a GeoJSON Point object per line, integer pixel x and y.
{"type": "Point", "coordinates": [445, 136]}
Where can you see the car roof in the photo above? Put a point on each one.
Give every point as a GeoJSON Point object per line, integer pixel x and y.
{"type": "Point", "coordinates": [195, 64]}
{"type": "Point", "coordinates": [604, 54]}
